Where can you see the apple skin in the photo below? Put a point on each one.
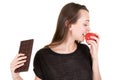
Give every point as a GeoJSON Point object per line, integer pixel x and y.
{"type": "Point", "coordinates": [88, 36]}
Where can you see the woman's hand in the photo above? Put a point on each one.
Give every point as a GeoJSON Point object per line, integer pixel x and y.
{"type": "Point", "coordinates": [17, 62]}
{"type": "Point", "coordinates": [94, 44]}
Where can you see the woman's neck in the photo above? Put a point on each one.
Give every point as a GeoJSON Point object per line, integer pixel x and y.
{"type": "Point", "coordinates": [65, 47]}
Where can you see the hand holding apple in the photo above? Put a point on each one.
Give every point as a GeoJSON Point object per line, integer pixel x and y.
{"type": "Point", "coordinates": [92, 39]}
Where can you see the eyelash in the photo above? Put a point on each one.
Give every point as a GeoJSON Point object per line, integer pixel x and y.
{"type": "Point", "coordinates": [85, 25]}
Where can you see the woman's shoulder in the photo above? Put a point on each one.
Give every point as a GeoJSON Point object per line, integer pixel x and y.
{"type": "Point", "coordinates": [85, 49]}
{"type": "Point", "coordinates": [83, 46]}
{"type": "Point", "coordinates": [42, 51]}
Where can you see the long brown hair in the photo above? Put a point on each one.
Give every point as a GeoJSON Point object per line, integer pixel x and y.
{"type": "Point", "coordinates": [67, 16]}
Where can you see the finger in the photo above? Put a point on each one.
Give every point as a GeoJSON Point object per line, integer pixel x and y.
{"type": "Point", "coordinates": [92, 42]}
{"type": "Point", "coordinates": [18, 55]}
{"type": "Point", "coordinates": [97, 35]}
{"type": "Point", "coordinates": [18, 66]}
{"type": "Point", "coordinates": [17, 59]}
{"type": "Point", "coordinates": [21, 58]}
{"type": "Point", "coordinates": [95, 38]}
{"type": "Point", "coordinates": [21, 62]}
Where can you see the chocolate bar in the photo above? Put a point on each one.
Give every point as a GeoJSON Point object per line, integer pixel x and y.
{"type": "Point", "coordinates": [26, 48]}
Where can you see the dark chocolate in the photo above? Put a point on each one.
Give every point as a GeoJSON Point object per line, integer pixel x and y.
{"type": "Point", "coordinates": [26, 48]}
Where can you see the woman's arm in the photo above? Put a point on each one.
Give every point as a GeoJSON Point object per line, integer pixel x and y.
{"type": "Point", "coordinates": [95, 68]}
{"type": "Point", "coordinates": [94, 54]}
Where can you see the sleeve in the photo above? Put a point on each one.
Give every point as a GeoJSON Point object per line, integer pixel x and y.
{"type": "Point", "coordinates": [37, 65]}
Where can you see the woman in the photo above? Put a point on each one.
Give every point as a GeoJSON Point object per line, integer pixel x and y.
{"type": "Point", "coordinates": [66, 58]}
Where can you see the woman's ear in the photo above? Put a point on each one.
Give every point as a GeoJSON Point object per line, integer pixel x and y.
{"type": "Point", "coordinates": [68, 25]}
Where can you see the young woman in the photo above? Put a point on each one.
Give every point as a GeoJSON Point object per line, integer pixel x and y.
{"type": "Point", "coordinates": [66, 58]}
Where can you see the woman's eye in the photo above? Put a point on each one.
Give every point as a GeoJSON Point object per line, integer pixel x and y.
{"type": "Point", "coordinates": [85, 24]}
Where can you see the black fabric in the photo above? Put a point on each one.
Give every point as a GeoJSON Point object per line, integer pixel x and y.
{"type": "Point", "coordinates": [49, 65]}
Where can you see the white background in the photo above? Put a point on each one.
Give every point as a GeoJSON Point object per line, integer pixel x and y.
{"type": "Point", "coordinates": [26, 19]}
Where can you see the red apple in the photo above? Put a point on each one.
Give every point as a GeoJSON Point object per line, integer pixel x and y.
{"type": "Point", "coordinates": [88, 36]}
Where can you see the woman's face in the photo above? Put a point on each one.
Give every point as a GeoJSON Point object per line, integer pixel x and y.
{"type": "Point", "coordinates": [81, 27]}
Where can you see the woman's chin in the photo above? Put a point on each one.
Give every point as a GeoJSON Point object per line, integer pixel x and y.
{"type": "Point", "coordinates": [82, 40]}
